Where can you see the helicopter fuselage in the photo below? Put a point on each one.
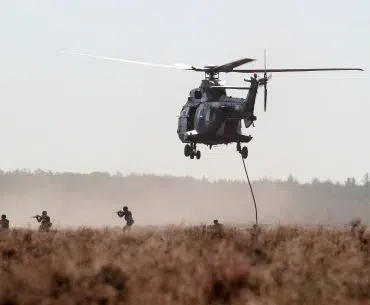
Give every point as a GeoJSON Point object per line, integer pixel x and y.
{"type": "Point", "coordinates": [211, 117]}
{"type": "Point", "coordinates": [212, 123]}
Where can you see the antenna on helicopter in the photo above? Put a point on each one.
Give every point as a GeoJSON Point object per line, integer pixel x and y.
{"type": "Point", "coordinates": [266, 79]}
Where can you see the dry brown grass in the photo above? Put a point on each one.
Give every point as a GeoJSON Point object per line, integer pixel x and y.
{"type": "Point", "coordinates": [285, 265]}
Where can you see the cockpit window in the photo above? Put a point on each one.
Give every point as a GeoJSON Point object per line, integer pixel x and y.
{"type": "Point", "coordinates": [184, 111]}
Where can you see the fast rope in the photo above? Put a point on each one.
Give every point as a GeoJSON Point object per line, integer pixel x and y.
{"type": "Point", "coordinates": [250, 186]}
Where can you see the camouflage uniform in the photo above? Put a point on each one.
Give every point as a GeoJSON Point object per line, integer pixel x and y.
{"type": "Point", "coordinates": [4, 223]}
{"type": "Point", "coordinates": [45, 222]}
{"type": "Point", "coordinates": [128, 217]}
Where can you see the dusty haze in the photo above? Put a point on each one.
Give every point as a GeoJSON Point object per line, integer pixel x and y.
{"type": "Point", "coordinates": [92, 199]}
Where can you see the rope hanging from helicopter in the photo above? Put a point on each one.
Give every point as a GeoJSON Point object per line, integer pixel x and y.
{"type": "Point", "coordinates": [250, 186]}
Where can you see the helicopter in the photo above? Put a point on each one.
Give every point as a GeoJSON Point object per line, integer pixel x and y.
{"type": "Point", "coordinates": [209, 116]}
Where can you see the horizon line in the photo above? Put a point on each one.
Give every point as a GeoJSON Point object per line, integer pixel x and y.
{"type": "Point", "coordinates": [120, 174]}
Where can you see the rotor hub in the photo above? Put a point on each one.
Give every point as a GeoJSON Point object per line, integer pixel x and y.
{"type": "Point", "coordinates": [211, 75]}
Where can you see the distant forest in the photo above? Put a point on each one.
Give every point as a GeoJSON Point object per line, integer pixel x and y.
{"type": "Point", "coordinates": [156, 199]}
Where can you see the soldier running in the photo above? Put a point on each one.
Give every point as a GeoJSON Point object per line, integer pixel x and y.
{"type": "Point", "coordinates": [128, 217]}
{"type": "Point", "coordinates": [4, 223]}
{"type": "Point", "coordinates": [45, 222]}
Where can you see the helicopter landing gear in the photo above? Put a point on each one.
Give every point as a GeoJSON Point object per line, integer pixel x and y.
{"type": "Point", "coordinates": [243, 151]}
{"type": "Point", "coordinates": [187, 150]}
{"type": "Point", "coordinates": [191, 151]}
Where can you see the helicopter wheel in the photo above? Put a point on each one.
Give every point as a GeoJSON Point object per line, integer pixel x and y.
{"type": "Point", "coordinates": [192, 154]}
{"type": "Point", "coordinates": [244, 152]}
{"type": "Point", "coordinates": [197, 154]}
{"type": "Point", "coordinates": [238, 148]}
{"type": "Point", "coordinates": [187, 150]}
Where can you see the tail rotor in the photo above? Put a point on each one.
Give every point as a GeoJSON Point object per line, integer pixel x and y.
{"type": "Point", "coordinates": [262, 81]}
{"type": "Point", "coordinates": [265, 77]}
{"type": "Point", "coordinates": [265, 80]}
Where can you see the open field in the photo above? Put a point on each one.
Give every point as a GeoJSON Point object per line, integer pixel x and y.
{"type": "Point", "coordinates": [181, 265]}
{"type": "Point", "coordinates": [281, 265]}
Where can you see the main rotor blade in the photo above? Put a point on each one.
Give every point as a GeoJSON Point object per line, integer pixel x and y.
{"type": "Point", "coordinates": [228, 67]}
{"type": "Point", "coordinates": [174, 66]}
{"type": "Point", "coordinates": [295, 70]}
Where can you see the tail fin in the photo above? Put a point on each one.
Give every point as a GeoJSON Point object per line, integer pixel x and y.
{"type": "Point", "coordinates": [248, 108]}
{"type": "Point", "coordinates": [250, 101]}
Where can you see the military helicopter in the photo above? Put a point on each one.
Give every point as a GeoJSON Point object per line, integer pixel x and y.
{"type": "Point", "coordinates": [209, 116]}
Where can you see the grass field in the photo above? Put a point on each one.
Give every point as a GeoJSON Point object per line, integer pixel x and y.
{"type": "Point", "coordinates": [283, 265]}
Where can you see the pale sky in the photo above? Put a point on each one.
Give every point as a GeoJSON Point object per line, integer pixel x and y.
{"type": "Point", "coordinates": [70, 113]}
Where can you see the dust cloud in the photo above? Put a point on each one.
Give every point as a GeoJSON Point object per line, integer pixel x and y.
{"type": "Point", "coordinates": [74, 200]}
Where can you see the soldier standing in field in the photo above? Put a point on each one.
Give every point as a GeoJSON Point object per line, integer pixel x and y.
{"type": "Point", "coordinates": [45, 221]}
{"type": "Point", "coordinates": [216, 227]}
{"type": "Point", "coordinates": [128, 217]}
{"type": "Point", "coordinates": [4, 223]}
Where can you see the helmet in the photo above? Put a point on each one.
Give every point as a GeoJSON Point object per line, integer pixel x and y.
{"type": "Point", "coordinates": [3, 216]}
{"type": "Point", "coordinates": [44, 212]}
{"type": "Point", "coordinates": [215, 221]}
{"type": "Point", "coordinates": [125, 208]}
